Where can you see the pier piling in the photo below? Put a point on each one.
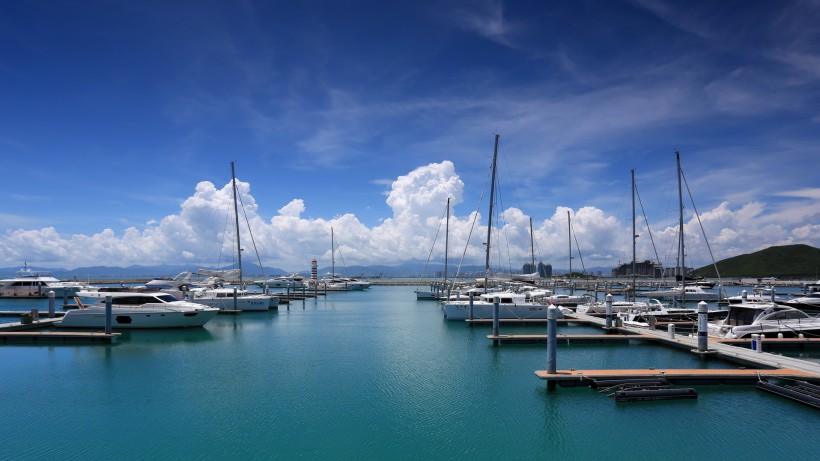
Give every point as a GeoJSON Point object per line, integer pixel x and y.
{"type": "Point", "coordinates": [496, 302]}
{"type": "Point", "coordinates": [552, 343]}
{"type": "Point", "coordinates": [608, 311]}
{"type": "Point", "coordinates": [108, 312]}
{"type": "Point", "coordinates": [51, 303]}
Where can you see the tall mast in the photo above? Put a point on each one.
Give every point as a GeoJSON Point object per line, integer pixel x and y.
{"type": "Point", "coordinates": [682, 268]}
{"type": "Point", "coordinates": [569, 236]}
{"type": "Point", "coordinates": [634, 235]}
{"type": "Point", "coordinates": [446, 240]}
{"type": "Point", "coordinates": [532, 247]}
{"type": "Point", "coordinates": [490, 220]}
{"type": "Point", "coordinates": [332, 254]}
{"type": "Point", "coordinates": [236, 224]}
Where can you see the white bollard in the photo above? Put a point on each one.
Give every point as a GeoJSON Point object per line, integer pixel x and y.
{"type": "Point", "coordinates": [671, 329]}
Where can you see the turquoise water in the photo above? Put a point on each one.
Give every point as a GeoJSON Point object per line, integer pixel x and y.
{"type": "Point", "coordinates": [367, 375]}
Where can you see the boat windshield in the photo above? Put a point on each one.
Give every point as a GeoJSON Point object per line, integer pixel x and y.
{"type": "Point", "coordinates": [167, 298]}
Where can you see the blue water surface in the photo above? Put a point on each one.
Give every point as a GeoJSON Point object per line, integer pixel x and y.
{"type": "Point", "coordinates": [368, 375]}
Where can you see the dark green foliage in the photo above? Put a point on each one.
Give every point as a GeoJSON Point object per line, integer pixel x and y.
{"type": "Point", "coordinates": [783, 262]}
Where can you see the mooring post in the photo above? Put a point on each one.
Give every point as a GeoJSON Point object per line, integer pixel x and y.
{"type": "Point", "coordinates": [496, 301]}
{"type": "Point", "coordinates": [471, 305]}
{"type": "Point", "coordinates": [671, 330]}
{"type": "Point", "coordinates": [51, 303]}
{"type": "Point", "coordinates": [552, 343]}
{"type": "Point", "coordinates": [608, 311]}
{"type": "Point", "coordinates": [495, 316]}
{"type": "Point", "coordinates": [703, 327]}
{"type": "Point", "coordinates": [65, 298]}
{"type": "Point", "coordinates": [760, 342]}
{"type": "Point", "coordinates": [108, 309]}
{"type": "Point", "coordinates": [235, 301]}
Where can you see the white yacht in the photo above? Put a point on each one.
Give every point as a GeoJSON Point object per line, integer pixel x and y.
{"type": "Point", "coordinates": [223, 298]}
{"type": "Point", "coordinates": [136, 310]}
{"type": "Point", "coordinates": [283, 281]}
{"type": "Point", "coordinates": [687, 292]}
{"type": "Point", "coordinates": [809, 302]}
{"type": "Point", "coordinates": [769, 319]}
{"type": "Point", "coordinates": [758, 295]}
{"type": "Point", "coordinates": [36, 284]}
{"type": "Point", "coordinates": [511, 305]}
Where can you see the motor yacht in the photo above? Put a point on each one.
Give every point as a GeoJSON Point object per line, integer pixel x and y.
{"type": "Point", "coordinates": [136, 310]}
{"type": "Point", "coordinates": [768, 319]}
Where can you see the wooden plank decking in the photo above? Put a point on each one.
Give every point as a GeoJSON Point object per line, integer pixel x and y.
{"type": "Point", "coordinates": [56, 336]}
{"type": "Point", "coordinates": [677, 376]}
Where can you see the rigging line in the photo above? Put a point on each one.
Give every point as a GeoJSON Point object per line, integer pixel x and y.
{"type": "Point", "coordinates": [472, 226]}
{"type": "Point", "coordinates": [578, 247]}
{"type": "Point", "coordinates": [499, 202]}
{"type": "Point", "coordinates": [344, 264]}
{"type": "Point", "coordinates": [646, 220]}
{"type": "Point", "coordinates": [702, 230]}
{"type": "Point", "coordinates": [222, 244]}
{"type": "Point", "coordinates": [435, 238]}
{"type": "Point", "coordinates": [253, 242]}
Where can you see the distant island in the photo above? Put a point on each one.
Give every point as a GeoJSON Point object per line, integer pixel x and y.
{"type": "Point", "coordinates": [782, 262]}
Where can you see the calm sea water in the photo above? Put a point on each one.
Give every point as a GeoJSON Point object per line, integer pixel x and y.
{"type": "Point", "coordinates": [366, 375]}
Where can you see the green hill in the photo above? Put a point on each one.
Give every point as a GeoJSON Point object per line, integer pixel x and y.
{"type": "Point", "coordinates": [783, 262]}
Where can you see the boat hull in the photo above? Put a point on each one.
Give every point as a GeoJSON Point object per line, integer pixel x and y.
{"type": "Point", "coordinates": [243, 303]}
{"type": "Point", "coordinates": [461, 311]}
{"type": "Point", "coordinates": [127, 317]}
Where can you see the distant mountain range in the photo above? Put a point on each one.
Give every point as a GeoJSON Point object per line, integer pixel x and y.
{"type": "Point", "coordinates": [783, 262]}
{"type": "Point", "coordinates": [408, 269]}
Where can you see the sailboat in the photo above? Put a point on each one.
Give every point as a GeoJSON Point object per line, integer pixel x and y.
{"type": "Point", "coordinates": [439, 290]}
{"type": "Point", "coordinates": [683, 292]}
{"type": "Point", "coordinates": [334, 281]}
{"type": "Point", "coordinates": [511, 304]}
{"type": "Point", "coordinates": [232, 298]}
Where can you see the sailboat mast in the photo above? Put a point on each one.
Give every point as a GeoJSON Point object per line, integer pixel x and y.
{"type": "Point", "coordinates": [532, 247]}
{"type": "Point", "coordinates": [490, 220]}
{"type": "Point", "coordinates": [681, 253]}
{"type": "Point", "coordinates": [446, 240]}
{"type": "Point", "coordinates": [332, 255]}
{"type": "Point", "coordinates": [634, 235]}
{"type": "Point", "coordinates": [236, 224]}
{"type": "Point", "coordinates": [569, 237]}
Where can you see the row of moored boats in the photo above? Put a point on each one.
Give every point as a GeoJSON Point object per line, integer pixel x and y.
{"type": "Point", "coordinates": [760, 312]}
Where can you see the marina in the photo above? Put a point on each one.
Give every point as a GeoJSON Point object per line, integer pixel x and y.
{"type": "Point", "coordinates": [376, 373]}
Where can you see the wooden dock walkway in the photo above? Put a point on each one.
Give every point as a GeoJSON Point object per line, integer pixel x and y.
{"type": "Point", "coordinates": [572, 377]}
{"type": "Point", "coordinates": [754, 363]}
{"type": "Point", "coordinates": [571, 339]}
{"type": "Point", "coordinates": [489, 322]}
{"type": "Point", "coordinates": [56, 336]}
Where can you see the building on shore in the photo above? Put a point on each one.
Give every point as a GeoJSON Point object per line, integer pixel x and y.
{"type": "Point", "coordinates": [646, 268]}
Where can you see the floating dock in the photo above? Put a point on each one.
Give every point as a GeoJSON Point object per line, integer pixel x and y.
{"type": "Point", "coordinates": [56, 336]}
{"type": "Point", "coordinates": [571, 339]}
{"type": "Point", "coordinates": [572, 377]}
{"type": "Point", "coordinates": [758, 365]}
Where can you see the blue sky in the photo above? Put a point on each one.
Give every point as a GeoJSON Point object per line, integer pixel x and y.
{"type": "Point", "coordinates": [119, 121]}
